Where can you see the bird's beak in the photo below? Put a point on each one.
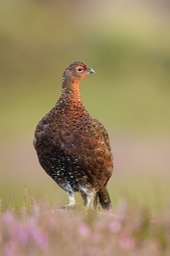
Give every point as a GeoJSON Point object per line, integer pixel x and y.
{"type": "Point", "coordinates": [90, 70]}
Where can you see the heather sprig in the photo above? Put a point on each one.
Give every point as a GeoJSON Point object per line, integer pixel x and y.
{"type": "Point", "coordinates": [47, 230]}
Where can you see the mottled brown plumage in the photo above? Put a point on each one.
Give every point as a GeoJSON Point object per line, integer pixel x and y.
{"type": "Point", "coordinates": [73, 147]}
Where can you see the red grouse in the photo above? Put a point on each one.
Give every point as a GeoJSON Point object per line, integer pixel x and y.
{"type": "Point", "coordinates": [73, 147]}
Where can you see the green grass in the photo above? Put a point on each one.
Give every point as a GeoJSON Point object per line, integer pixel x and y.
{"type": "Point", "coordinates": [148, 192]}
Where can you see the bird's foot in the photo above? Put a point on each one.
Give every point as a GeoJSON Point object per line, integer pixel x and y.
{"type": "Point", "coordinates": [67, 206]}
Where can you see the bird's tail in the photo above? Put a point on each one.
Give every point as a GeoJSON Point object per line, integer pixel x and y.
{"type": "Point", "coordinates": [104, 198]}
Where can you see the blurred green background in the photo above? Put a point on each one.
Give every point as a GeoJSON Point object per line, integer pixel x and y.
{"type": "Point", "coordinates": [128, 45]}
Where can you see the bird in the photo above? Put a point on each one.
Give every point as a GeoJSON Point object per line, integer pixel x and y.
{"type": "Point", "coordinates": [73, 147]}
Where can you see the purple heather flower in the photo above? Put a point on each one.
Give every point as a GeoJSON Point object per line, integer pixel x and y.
{"type": "Point", "coordinates": [84, 230]}
{"type": "Point", "coordinates": [10, 248]}
{"type": "Point", "coordinates": [96, 237]}
{"type": "Point", "coordinates": [115, 226]}
{"type": "Point", "coordinates": [127, 243]}
{"type": "Point", "coordinates": [8, 218]}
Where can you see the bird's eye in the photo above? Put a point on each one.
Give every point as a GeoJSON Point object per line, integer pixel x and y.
{"type": "Point", "coordinates": [79, 69]}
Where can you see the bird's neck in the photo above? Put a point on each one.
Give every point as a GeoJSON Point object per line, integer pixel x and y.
{"type": "Point", "coordinates": [71, 92]}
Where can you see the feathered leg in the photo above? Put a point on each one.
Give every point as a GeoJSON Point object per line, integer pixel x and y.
{"type": "Point", "coordinates": [88, 198]}
{"type": "Point", "coordinates": [104, 198]}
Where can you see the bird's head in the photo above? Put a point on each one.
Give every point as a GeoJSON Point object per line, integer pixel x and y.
{"type": "Point", "coordinates": [77, 71]}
